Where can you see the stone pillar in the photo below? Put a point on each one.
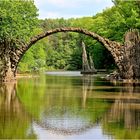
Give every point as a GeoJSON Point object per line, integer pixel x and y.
{"type": "Point", "coordinates": [131, 61]}
{"type": "Point", "coordinates": [86, 67]}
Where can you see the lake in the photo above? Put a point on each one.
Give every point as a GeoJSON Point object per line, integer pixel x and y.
{"type": "Point", "coordinates": [69, 106]}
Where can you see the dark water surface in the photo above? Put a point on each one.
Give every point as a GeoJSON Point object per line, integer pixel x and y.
{"type": "Point", "coordinates": [69, 106]}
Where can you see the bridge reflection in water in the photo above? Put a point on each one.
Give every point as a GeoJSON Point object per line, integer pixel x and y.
{"type": "Point", "coordinates": [72, 107]}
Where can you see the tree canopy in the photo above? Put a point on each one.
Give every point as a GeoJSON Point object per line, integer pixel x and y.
{"type": "Point", "coordinates": [18, 19]}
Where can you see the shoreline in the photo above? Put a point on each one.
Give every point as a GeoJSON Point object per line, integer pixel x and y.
{"type": "Point", "coordinates": [26, 75]}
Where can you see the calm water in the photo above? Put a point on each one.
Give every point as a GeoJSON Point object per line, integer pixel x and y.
{"type": "Point", "coordinates": [69, 106]}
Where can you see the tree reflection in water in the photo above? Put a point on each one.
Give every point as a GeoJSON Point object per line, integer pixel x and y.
{"type": "Point", "coordinates": [14, 120]}
{"type": "Point", "coordinates": [123, 119]}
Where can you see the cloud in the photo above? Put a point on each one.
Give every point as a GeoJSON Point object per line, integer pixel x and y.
{"type": "Point", "coordinates": [52, 14]}
{"type": "Point", "coordinates": [55, 15]}
{"type": "Point", "coordinates": [68, 3]}
{"type": "Point", "coordinates": [56, 3]}
{"type": "Point", "coordinates": [70, 8]}
{"type": "Point", "coordinates": [62, 3]}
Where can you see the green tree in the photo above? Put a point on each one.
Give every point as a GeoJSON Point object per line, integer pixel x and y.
{"type": "Point", "coordinates": [18, 19]}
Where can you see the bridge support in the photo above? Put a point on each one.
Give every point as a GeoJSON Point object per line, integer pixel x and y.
{"type": "Point", "coordinates": [6, 69]}
{"type": "Point", "coordinates": [131, 59]}
{"type": "Point", "coordinates": [9, 59]}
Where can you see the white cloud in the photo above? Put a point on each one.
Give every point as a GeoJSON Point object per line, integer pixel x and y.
{"type": "Point", "coordinates": [57, 3]}
{"type": "Point", "coordinates": [55, 15]}
{"type": "Point", "coordinates": [52, 15]}
{"type": "Point", "coordinates": [65, 3]}
{"type": "Point", "coordinates": [62, 3]}
{"type": "Point", "coordinates": [68, 3]}
{"type": "Point", "coordinates": [70, 8]}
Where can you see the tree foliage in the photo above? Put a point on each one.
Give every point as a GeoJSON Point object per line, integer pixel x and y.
{"type": "Point", "coordinates": [18, 19]}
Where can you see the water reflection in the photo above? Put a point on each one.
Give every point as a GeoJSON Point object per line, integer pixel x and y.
{"type": "Point", "coordinates": [70, 114]}
{"type": "Point", "coordinates": [14, 120]}
{"type": "Point", "coordinates": [123, 119]}
{"type": "Point", "coordinates": [87, 83]}
{"type": "Point", "coordinates": [72, 107]}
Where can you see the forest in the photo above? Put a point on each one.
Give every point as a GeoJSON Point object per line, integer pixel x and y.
{"type": "Point", "coordinates": [63, 51]}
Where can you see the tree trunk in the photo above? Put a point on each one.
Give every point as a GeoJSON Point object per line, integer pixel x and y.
{"type": "Point", "coordinates": [131, 61]}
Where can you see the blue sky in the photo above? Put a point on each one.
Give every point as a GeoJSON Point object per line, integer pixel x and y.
{"type": "Point", "coordinates": [70, 8]}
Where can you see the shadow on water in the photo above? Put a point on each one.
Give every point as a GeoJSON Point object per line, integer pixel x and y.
{"type": "Point", "coordinates": [70, 107]}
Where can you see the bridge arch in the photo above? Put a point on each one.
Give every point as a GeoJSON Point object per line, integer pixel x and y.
{"type": "Point", "coordinates": [15, 55]}
{"type": "Point", "coordinates": [112, 46]}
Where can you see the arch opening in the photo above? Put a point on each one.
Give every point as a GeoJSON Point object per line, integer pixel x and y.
{"type": "Point", "coordinates": [105, 42]}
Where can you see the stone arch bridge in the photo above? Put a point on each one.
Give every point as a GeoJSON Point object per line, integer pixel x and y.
{"type": "Point", "coordinates": [126, 55]}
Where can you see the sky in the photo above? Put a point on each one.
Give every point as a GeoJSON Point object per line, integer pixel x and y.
{"type": "Point", "coordinates": [70, 8]}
